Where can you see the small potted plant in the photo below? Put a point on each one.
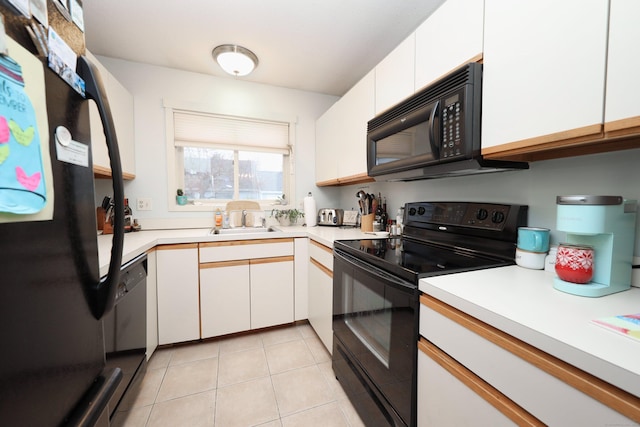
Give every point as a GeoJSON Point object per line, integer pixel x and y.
{"type": "Point", "coordinates": [287, 216]}
{"type": "Point", "coordinates": [181, 199]}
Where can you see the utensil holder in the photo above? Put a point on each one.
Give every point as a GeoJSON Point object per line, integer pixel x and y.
{"type": "Point", "coordinates": [366, 223]}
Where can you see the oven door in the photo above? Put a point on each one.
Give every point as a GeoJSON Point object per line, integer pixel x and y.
{"type": "Point", "coordinates": [375, 335]}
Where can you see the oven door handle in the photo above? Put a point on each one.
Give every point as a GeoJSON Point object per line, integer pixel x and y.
{"type": "Point", "coordinates": [389, 278]}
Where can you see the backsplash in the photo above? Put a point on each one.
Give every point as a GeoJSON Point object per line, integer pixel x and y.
{"type": "Point", "coordinates": [616, 173]}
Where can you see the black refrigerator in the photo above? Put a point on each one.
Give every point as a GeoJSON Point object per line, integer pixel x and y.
{"type": "Point", "coordinates": [52, 300]}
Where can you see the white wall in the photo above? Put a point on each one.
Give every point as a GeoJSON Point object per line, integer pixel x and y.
{"type": "Point", "coordinates": [150, 85]}
{"type": "Point", "coordinates": [616, 173]}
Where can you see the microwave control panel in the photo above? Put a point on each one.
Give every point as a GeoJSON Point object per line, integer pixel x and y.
{"type": "Point", "coordinates": [452, 127]}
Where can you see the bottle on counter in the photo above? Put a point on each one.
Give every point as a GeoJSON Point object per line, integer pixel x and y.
{"type": "Point", "coordinates": [128, 216]}
{"type": "Point", "coordinates": [550, 259]}
{"type": "Point", "coordinates": [218, 218]}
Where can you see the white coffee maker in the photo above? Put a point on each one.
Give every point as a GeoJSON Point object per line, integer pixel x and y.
{"type": "Point", "coordinates": [607, 224]}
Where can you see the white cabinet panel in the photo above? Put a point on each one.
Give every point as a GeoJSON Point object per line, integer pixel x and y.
{"type": "Point", "coordinates": [224, 298]}
{"type": "Point", "coordinates": [450, 37]}
{"type": "Point", "coordinates": [623, 85]}
{"type": "Point", "coordinates": [544, 68]}
{"type": "Point", "coordinates": [321, 293]}
{"type": "Point", "coordinates": [245, 249]}
{"type": "Point", "coordinates": [440, 395]}
{"type": "Point", "coordinates": [301, 278]}
{"type": "Point", "coordinates": [178, 293]}
{"type": "Point", "coordinates": [357, 107]}
{"type": "Point", "coordinates": [271, 292]}
{"type": "Point", "coordinates": [152, 303]}
{"type": "Point", "coordinates": [395, 75]}
{"type": "Point", "coordinates": [328, 130]}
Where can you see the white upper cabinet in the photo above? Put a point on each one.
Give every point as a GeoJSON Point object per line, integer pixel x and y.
{"type": "Point", "coordinates": [341, 136]}
{"type": "Point", "coordinates": [395, 75]}
{"type": "Point", "coordinates": [622, 108]}
{"type": "Point", "coordinates": [328, 128]}
{"type": "Point", "coordinates": [357, 106]}
{"type": "Point", "coordinates": [449, 38]}
{"type": "Point", "coordinates": [121, 104]}
{"type": "Point", "coordinates": [544, 71]}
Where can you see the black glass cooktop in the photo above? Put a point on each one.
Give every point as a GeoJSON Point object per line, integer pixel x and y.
{"type": "Point", "coordinates": [414, 260]}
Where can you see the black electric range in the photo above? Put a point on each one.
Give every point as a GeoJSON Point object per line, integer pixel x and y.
{"type": "Point", "coordinates": [443, 238]}
{"type": "Point", "coordinates": [376, 297]}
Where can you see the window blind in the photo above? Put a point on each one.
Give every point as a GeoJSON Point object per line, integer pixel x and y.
{"type": "Point", "coordinates": [208, 130]}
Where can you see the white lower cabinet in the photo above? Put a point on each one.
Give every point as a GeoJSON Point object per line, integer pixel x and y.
{"type": "Point", "coordinates": [436, 407]}
{"type": "Point", "coordinates": [178, 293]}
{"type": "Point", "coordinates": [224, 298]}
{"type": "Point", "coordinates": [271, 291]}
{"type": "Point", "coordinates": [523, 383]}
{"type": "Point", "coordinates": [246, 284]}
{"type": "Point", "coordinates": [321, 292]}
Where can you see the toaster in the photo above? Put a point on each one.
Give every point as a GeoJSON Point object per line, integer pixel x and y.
{"type": "Point", "coordinates": [330, 217]}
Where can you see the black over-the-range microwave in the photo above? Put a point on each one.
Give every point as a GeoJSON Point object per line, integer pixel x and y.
{"type": "Point", "coordinates": [434, 133]}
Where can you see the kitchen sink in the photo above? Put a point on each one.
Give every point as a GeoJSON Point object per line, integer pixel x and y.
{"type": "Point", "coordinates": [240, 230]}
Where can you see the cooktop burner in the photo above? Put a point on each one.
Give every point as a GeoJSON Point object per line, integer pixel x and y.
{"type": "Point", "coordinates": [443, 238]}
{"type": "Point", "coordinates": [413, 261]}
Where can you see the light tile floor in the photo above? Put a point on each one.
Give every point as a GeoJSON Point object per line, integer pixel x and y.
{"type": "Point", "coordinates": [280, 377]}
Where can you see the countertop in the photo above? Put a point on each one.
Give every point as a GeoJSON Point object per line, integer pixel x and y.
{"type": "Point", "coordinates": [524, 304]}
{"type": "Point", "coordinates": [138, 242]}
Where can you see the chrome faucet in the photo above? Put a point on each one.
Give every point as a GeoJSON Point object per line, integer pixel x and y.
{"type": "Point", "coordinates": [244, 218]}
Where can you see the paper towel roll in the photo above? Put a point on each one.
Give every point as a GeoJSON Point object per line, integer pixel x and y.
{"type": "Point", "coordinates": [310, 211]}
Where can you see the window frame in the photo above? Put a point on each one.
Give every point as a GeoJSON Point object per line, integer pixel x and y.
{"type": "Point", "coordinates": [172, 159]}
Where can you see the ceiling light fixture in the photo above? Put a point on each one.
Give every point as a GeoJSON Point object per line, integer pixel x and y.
{"type": "Point", "coordinates": [235, 60]}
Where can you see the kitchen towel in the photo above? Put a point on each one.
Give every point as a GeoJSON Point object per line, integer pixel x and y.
{"type": "Point", "coordinates": [22, 183]}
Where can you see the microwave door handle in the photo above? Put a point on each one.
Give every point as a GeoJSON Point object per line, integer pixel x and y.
{"type": "Point", "coordinates": [435, 147]}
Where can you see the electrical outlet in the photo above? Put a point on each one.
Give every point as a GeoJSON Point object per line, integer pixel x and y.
{"type": "Point", "coordinates": [144, 204]}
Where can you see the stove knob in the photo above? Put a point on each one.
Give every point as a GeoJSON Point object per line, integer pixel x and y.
{"type": "Point", "coordinates": [482, 214]}
{"type": "Point", "coordinates": [497, 217]}
{"type": "Point", "coordinates": [421, 210]}
{"type": "Point", "coordinates": [412, 211]}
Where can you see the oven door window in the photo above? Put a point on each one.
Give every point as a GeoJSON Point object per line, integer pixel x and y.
{"type": "Point", "coordinates": [369, 316]}
{"type": "Point", "coordinates": [375, 320]}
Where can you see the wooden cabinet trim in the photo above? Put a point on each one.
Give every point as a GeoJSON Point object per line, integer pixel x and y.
{"type": "Point", "coordinates": [177, 246]}
{"type": "Point", "coordinates": [323, 247]}
{"type": "Point", "coordinates": [609, 395]}
{"type": "Point", "coordinates": [327, 183]}
{"type": "Point", "coordinates": [623, 127]}
{"type": "Point", "coordinates": [246, 242]}
{"type": "Point", "coordinates": [552, 141]}
{"type": "Point", "coordinates": [483, 389]}
{"type": "Point", "coordinates": [271, 260]}
{"type": "Point", "coordinates": [102, 172]}
{"type": "Point", "coordinates": [220, 264]}
{"type": "Point", "coordinates": [322, 268]}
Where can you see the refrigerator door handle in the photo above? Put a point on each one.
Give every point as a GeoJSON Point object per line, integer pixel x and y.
{"type": "Point", "coordinates": [105, 290]}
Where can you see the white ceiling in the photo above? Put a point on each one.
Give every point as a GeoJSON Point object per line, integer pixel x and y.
{"type": "Point", "coordinates": [322, 46]}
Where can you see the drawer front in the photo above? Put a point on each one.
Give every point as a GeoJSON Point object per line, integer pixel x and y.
{"type": "Point", "coordinates": [245, 249]}
{"type": "Point", "coordinates": [322, 254]}
{"type": "Point", "coordinates": [545, 396]}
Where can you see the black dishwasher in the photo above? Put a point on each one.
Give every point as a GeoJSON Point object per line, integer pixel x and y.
{"type": "Point", "coordinates": [125, 332]}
